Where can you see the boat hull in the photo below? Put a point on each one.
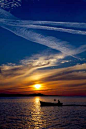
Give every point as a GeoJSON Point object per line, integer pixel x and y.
{"type": "Point", "coordinates": [50, 104]}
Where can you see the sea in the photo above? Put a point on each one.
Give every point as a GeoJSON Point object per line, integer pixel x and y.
{"type": "Point", "coordinates": [26, 113]}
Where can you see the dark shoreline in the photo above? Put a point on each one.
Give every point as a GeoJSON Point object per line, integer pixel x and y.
{"type": "Point", "coordinates": [33, 95]}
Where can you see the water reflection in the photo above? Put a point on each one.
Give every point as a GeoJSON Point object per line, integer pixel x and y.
{"type": "Point", "coordinates": [37, 114]}
{"type": "Point", "coordinates": [37, 100]}
{"type": "Point", "coordinates": [26, 113]}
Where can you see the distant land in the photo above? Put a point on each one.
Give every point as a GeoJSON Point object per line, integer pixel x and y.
{"type": "Point", "coordinates": [35, 94]}
{"type": "Point", "coordinates": [22, 95]}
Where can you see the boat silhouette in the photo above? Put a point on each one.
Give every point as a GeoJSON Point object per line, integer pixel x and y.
{"type": "Point", "coordinates": [42, 103]}
{"type": "Point", "coordinates": [50, 104]}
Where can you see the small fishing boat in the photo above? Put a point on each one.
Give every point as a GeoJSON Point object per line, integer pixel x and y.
{"type": "Point", "coordinates": [58, 104]}
{"type": "Point", "coordinates": [50, 104]}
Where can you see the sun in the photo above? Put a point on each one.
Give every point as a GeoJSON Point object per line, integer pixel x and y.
{"type": "Point", "coordinates": [37, 86]}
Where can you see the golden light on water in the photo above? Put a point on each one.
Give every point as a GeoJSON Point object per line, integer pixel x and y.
{"type": "Point", "coordinates": [37, 86]}
{"type": "Point", "coordinates": [37, 99]}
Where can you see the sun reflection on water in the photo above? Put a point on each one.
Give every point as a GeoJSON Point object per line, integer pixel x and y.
{"type": "Point", "coordinates": [36, 114]}
{"type": "Point", "coordinates": [37, 100]}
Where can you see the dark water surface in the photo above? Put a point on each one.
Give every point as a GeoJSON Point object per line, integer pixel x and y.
{"type": "Point", "coordinates": [26, 113]}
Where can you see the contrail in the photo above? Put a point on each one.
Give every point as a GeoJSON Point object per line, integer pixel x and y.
{"type": "Point", "coordinates": [26, 32]}
{"type": "Point", "coordinates": [72, 31]}
{"type": "Point", "coordinates": [52, 23]}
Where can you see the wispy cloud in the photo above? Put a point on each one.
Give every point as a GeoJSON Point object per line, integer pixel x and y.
{"type": "Point", "coordinates": [15, 75]}
{"type": "Point", "coordinates": [70, 80]}
{"type": "Point", "coordinates": [37, 69]}
{"type": "Point", "coordinates": [72, 31]}
{"type": "Point", "coordinates": [22, 77]}
{"type": "Point", "coordinates": [20, 28]}
{"type": "Point", "coordinates": [52, 23]}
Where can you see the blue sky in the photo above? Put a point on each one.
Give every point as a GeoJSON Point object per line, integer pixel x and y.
{"type": "Point", "coordinates": [43, 36]}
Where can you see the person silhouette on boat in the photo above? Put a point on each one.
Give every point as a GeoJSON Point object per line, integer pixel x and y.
{"type": "Point", "coordinates": [58, 101]}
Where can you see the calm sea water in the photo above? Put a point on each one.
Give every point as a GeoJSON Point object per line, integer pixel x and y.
{"type": "Point", "coordinates": [26, 113]}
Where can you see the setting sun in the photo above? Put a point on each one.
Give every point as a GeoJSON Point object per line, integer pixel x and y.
{"type": "Point", "coordinates": [37, 86]}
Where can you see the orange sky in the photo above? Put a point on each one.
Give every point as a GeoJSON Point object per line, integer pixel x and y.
{"type": "Point", "coordinates": [62, 81]}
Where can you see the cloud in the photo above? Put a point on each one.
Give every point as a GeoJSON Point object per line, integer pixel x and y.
{"type": "Point", "coordinates": [12, 24]}
{"type": "Point", "coordinates": [32, 70]}
{"type": "Point", "coordinates": [72, 31]}
{"type": "Point", "coordinates": [14, 75]}
{"type": "Point", "coordinates": [39, 68]}
{"type": "Point", "coordinates": [32, 63]}
{"type": "Point", "coordinates": [18, 22]}
{"type": "Point", "coordinates": [10, 4]}
{"type": "Point", "coordinates": [77, 72]}
{"type": "Point", "coordinates": [4, 15]}
{"type": "Point", "coordinates": [70, 80]}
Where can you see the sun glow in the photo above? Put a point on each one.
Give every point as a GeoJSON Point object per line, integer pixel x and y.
{"type": "Point", "coordinates": [37, 86]}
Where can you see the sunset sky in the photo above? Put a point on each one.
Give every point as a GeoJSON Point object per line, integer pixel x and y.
{"type": "Point", "coordinates": [43, 47]}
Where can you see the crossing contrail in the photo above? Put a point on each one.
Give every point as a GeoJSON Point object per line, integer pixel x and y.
{"type": "Point", "coordinates": [28, 30]}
